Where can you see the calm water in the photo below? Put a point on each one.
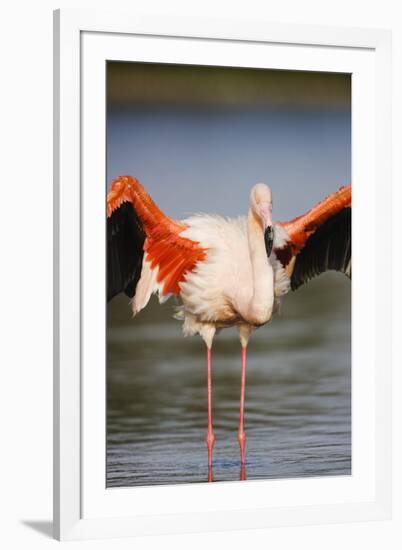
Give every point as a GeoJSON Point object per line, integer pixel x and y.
{"type": "Point", "coordinates": [298, 393]}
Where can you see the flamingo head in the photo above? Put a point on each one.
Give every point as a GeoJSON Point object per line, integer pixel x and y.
{"type": "Point", "coordinates": [261, 206]}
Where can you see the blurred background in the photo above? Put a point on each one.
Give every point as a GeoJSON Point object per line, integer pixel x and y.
{"type": "Point", "coordinates": [199, 138]}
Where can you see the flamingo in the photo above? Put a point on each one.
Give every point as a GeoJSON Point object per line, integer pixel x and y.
{"type": "Point", "coordinates": [227, 272]}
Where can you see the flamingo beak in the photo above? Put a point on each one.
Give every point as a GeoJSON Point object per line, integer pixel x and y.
{"type": "Point", "coordinates": [265, 210]}
{"type": "Point", "coordinates": [269, 239]}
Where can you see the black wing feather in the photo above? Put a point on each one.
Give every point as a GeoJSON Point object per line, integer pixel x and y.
{"type": "Point", "coordinates": [330, 247]}
{"type": "Point", "coordinates": [125, 251]}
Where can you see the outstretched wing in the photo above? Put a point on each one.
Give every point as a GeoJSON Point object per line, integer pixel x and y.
{"type": "Point", "coordinates": [125, 251]}
{"type": "Point", "coordinates": [138, 230]}
{"type": "Point", "coordinates": [319, 240]}
{"type": "Point", "coordinates": [329, 248]}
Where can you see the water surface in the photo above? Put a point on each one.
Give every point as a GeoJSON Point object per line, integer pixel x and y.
{"type": "Point", "coordinates": [298, 394]}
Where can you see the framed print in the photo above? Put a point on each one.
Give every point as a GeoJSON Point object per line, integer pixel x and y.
{"type": "Point", "coordinates": [216, 364]}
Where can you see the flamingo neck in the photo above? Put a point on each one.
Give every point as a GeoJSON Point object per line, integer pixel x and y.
{"type": "Point", "coordinates": [262, 301]}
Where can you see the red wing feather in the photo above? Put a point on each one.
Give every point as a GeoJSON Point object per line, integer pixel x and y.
{"type": "Point", "coordinates": [164, 247]}
{"type": "Point", "coordinates": [301, 228]}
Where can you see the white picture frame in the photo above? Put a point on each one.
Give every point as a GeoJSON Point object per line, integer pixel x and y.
{"type": "Point", "coordinates": [83, 507]}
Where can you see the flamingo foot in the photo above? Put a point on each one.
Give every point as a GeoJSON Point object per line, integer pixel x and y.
{"type": "Point", "coordinates": [210, 441]}
{"type": "Point", "coordinates": [241, 437]}
{"type": "Point", "coordinates": [242, 473]}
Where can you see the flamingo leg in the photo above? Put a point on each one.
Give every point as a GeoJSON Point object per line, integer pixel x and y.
{"type": "Point", "coordinates": [210, 439]}
{"type": "Point", "coordinates": [241, 435]}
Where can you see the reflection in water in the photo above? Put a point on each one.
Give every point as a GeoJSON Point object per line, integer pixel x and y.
{"type": "Point", "coordinates": [242, 472]}
{"type": "Point", "coordinates": [241, 478]}
{"type": "Point", "coordinates": [297, 407]}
